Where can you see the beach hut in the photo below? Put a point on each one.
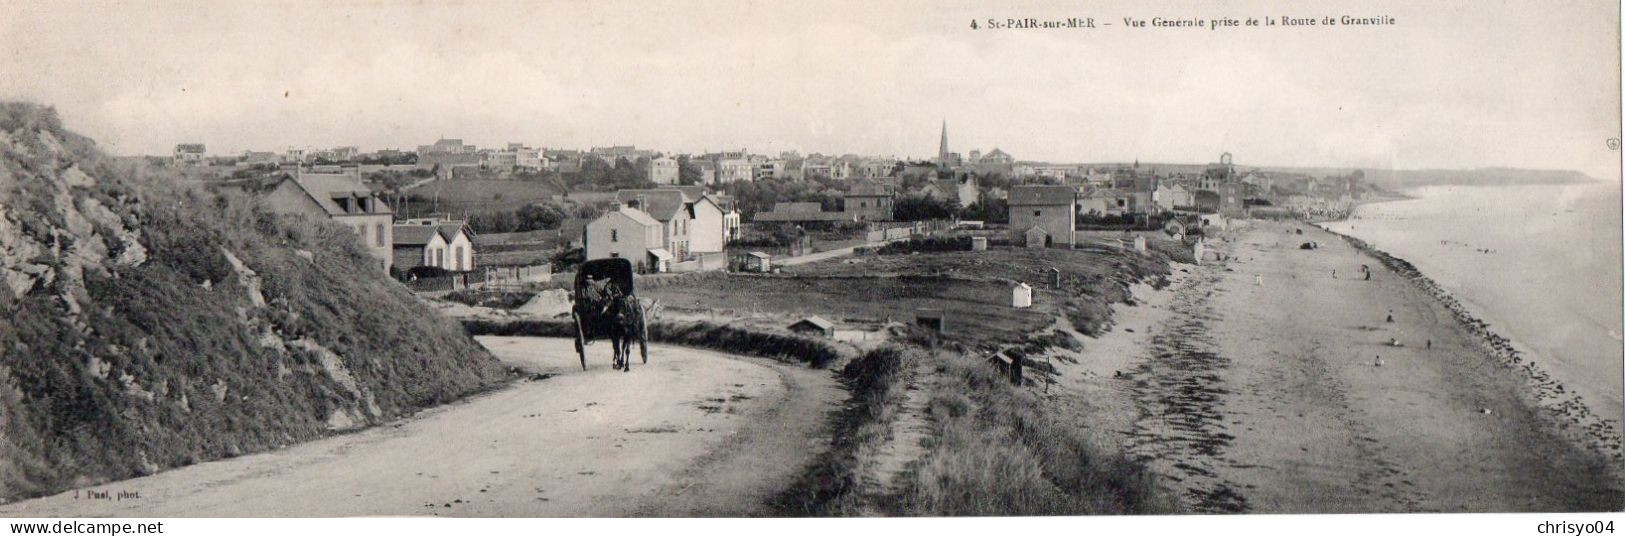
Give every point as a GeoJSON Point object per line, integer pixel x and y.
{"type": "Point", "coordinates": [1021, 296]}
{"type": "Point", "coordinates": [813, 326]}
{"type": "Point", "coordinates": [1196, 251]}
{"type": "Point", "coordinates": [1139, 244]}
{"type": "Point", "coordinates": [978, 243]}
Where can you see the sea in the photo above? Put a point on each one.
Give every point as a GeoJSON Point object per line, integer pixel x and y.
{"type": "Point", "coordinates": [1540, 263]}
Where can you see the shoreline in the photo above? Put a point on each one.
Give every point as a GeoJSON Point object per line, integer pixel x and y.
{"type": "Point", "coordinates": [1202, 380]}
{"type": "Point", "coordinates": [1569, 410]}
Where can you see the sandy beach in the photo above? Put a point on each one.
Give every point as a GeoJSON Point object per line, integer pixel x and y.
{"type": "Point", "coordinates": [1253, 385]}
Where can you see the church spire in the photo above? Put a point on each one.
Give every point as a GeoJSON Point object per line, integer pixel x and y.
{"type": "Point", "coordinates": [942, 150]}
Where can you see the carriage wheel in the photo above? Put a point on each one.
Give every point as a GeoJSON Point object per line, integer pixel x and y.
{"type": "Point", "coordinates": [581, 347]}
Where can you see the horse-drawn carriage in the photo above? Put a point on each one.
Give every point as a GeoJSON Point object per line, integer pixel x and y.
{"type": "Point", "coordinates": [606, 307]}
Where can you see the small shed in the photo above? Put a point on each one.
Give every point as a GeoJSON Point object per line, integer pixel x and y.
{"type": "Point", "coordinates": [757, 261]}
{"type": "Point", "coordinates": [813, 326]}
{"type": "Point", "coordinates": [1139, 243]}
{"type": "Point", "coordinates": [978, 243]}
{"type": "Point", "coordinates": [1037, 237]}
{"type": "Point", "coordinates": [1021, 296]}
{"type": "Point", "coordinates": [659, 260]}
{"type": "Point", "coordinates": [931, 318]}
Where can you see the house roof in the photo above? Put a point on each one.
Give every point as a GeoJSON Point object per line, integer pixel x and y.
{"type": "Point", "coordinates": [662, 204]}
{"type": "Point", "coordinates": [788, 206]}
{"type": "Point", "coordinates": [1096, 193]}
{"type": "Point", "coordinates": [641, 217]}
{"type": "Point", "coordinates": [660, 253]}
{"type": "Point", "coordinates": [1042, 195]}
{"type": "Point", "coordinates": [723, 201]}
{"type": "Point", "coordinates": [693, 191]}
{"type": "Point", "coordinates": [324, 187]}
{"type": "Point", "coordinates": [868, 189]}
{"type": "Point", "coordinates": [996, 152]}
{"type": "Point", "coordinates": [414, 235]}
{"type": "Point", "coordinates": [759, 255]}
{"type": "Point", "coordinates": [419, 234]}
{"type": "Point", "coordinates": [816, 321]}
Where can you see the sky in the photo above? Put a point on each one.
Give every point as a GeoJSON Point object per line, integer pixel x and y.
{"type": "Point", "coordinates": [1450, 85]}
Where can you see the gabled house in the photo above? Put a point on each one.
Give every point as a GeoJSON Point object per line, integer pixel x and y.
{"type": "Point", "coordinates": [663, 170]}
{"type": "Point", "coordinates": [813, 326]}
{"type": "Point", "coordinates": [707, 234]}
{"type": "Point", "coordinates": [1050, 210]}
{"type": "Point", "coordinates": [731, 221]}
{"type": "Point", "coordinates": [443, 244]}
{"type": "Point", "coordinates": [627, 233]}
{"type": "Point", "coordinates": [669, 207]}
{"type": "Point", "coordinates": [339, 198]}
{"type": "Point", "coordinates": [1174, 196]}
{"type": "Point", "coordinates": [190, 153]}
{"type": "Point", "coordinates": [1106, 202]}
{"type": "Point", "coordinates": [961, 189]}
{"type": "Point", "coordinates": [869, 201]}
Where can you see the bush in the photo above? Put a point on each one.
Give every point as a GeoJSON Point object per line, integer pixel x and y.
{"type": "Point", "coordinates": [494, 300]}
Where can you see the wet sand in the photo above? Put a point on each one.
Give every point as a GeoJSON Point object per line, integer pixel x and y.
{"type": "Point", "coordinates": [1266, 398]}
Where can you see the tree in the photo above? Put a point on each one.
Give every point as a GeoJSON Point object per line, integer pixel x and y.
{"type": "Point", "coordinates": [989, 210]}
{"type": "Point", "coordinates": [687, 172]}
{"type": "Point", "coordinates": [919, 208]}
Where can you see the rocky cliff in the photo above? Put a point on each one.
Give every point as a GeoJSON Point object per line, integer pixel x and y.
{"type": "Point", "coordinates": [149, 324]}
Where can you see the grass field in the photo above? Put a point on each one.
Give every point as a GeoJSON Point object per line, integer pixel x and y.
{"type": "Point", "coordinates": [973, 289]}
{"type": "Point", "coordinates": [463, 197]}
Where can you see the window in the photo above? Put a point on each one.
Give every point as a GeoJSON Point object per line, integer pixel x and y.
{"type": "Point", "coordinates": [440, 258]}
{"type": "Point", "coordinates": [1038, 213]}
{"type": "Point", "coordinates": [614, 235]}
{"type": "Point", "coordinates": [380, 237]}
{"type": "Point", "coordinates": [459, 258]}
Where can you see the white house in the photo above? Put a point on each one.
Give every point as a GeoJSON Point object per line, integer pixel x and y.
{"type": "Point", "coordinates": [443, 244]}
{"type": "Point", "coordinates": [672, 208]}
{"type": "Point", "coordinates": [626, 233]}
{"type": "Point", "coordinates": [663, 170]}
{"type": "Point", "coordinates": [707, 232]}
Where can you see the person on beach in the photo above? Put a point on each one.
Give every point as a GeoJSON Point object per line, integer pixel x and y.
{"type": "Point", "coordinates": [1334, 273]}
{"type": "Point", "coordinates": [1258, 279]}
{"type": "Point", "coordinates": [1390, 316]}
{"type": "Point", "coordinates": [1378, 363]}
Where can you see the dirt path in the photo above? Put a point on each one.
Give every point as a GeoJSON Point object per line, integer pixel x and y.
{"type": "Point", "coordinates": [693, 433]}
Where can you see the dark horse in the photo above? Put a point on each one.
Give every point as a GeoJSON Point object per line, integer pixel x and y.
{"type": "Point", "coordinates": [623, 330]}
{"type": "Point", "coordinates": [617, 315]}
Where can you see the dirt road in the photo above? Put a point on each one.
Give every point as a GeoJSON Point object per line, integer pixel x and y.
{"type": "Point", "coordinates": [691, 433]}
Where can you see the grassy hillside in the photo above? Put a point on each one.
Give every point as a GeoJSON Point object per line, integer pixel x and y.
{"type": "Point", "coordinates": [152, 325]}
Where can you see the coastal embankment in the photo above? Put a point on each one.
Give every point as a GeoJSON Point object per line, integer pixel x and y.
{"type": "Point", "coordinates": [1284, 380]}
